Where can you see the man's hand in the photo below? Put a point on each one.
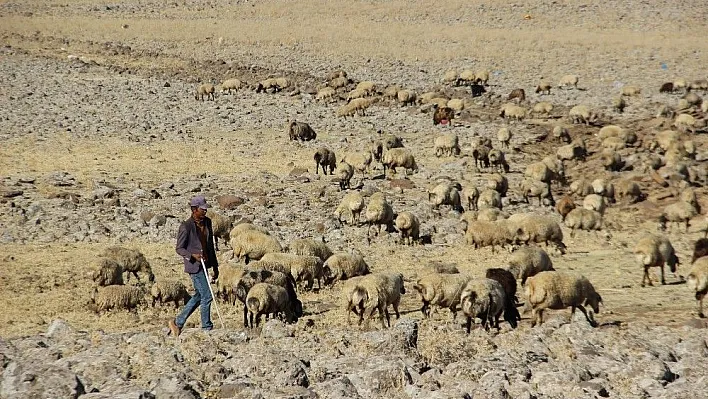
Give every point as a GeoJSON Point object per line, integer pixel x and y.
{"type": "Point", "coordinates": [198, 257]}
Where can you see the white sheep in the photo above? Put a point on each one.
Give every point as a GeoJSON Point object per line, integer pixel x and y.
{"type": "Point", "coordinates": [537, 189]}
{"type": "Point", "coordinates": [228, 278]}
{"type": "Point", "coordinates": [116, 297]}
{"type": "Point", "coordinates": [481, 233]}
{"type": "Point", "coordinates": [378, 212]}
{"type": "Point", "coordinates": [498, 160]}
{"type": "Point", "coordinates": [604, 188]}
{"type": "Point", "coordinates": [677, 212]}
{"type": "Point", "coordinates": [256, 274]}
{"type": "Point", "coordinates": [499, 183]}
{"type": "Point", "coordinates": [231, 84]}
{"type": "Point", "coordinates": [611, 160]}
{"type": "Point", "coordinates": [542, 108]}
{"type": "Point", "coordinates": [469, 197]}
{"type": "Point", "coordinates": [131, 260]}
{"type": "Point", "coordinates": [538, 229]}
{"type": "Point", "coordinates": [221, 227]}
{"type": "Point", "coordinates": [409, 227]}
{"type": "Point", "coordinates": [406, 97]}
{"type": "Point", "coordinates": [481, 76]}
{"type": "Point", "coordinates": [557, 290]}
{"type": "Point", "coordinates": [655, 251]}
{"type": "Point", "coordinates": [697, 282]}
{"type": "Point", "coordinates": [302, 267]}
{"type": "Point", "coordinates": [357, 106]}
{"type": "Point", "coordinates": [569, 80]}
{"type": "Point", "coordinates": [360, 160]}
{"type": "Point", "coordinates": [489, 199]}
{"type": "Point", "coordinates": [344, 265]}
{"type": "Point", "coordinates": [561, 134]}
{"type": "Point", "coordinates": [344, 173]}
{"type": "Point", "coordinates": [310, 247]}
{"type": "Point", "coordinates": [447, 144]}
{"type": "Point", "coordinates": [631, 91]}
{"type": "Point", "coordinates": [544, 88]}
{"type": "Point", "coordinates": [398, 157]}
{"type": "Point", "coordinates": [442, 290]}
{"type": "Point", "coordinates": [264, 298]}
{"type": "Point", "coordinates": [512, 111]}
{"type": "Point", "coordinates": [169, 291]}
{"type": "Point", "coordinates": [528, 261]}
{"type": "Point", "coordinates": [484, 299]}
{"type": "Point", "coordinates": [107, 272]}
{"type": "Point", "coordinates": [367, 86]}
{"type": "Point", "coordinates": [206, 89]}
{"type": "Point", "coordinates": [504, 136]}
{"type": "Point", "coordinates": [253, 244]}
{"type": "Point", "coordinates": [538, 171]}
{"type": "Point", "coordinates": [446, 194]}
{"type": "Point", "coordinates": [456, 104]}
{"type": "Point", "coordinates": [582, 114]}
{"type": "Point", "coordinates": [352, 203]}
{"type": "Point", "coordinates": [374, 292]}
{"type": "Point", "coordinates": [325, 94]}
{"type": "Point", "coordinates": [583, 219]}
{"type": "Point", "coordinates": [595, 202]}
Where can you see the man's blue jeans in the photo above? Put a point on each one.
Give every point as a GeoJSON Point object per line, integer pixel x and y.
{"type": "Point", "coordinates": [202, 299]}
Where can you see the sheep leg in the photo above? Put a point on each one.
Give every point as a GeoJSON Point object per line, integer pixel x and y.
{"type": "Point", "coordinates": [663, 282]}
{"type": "Point", "coordinates": [245, 315]}
{"type": "Point", "coordinates": [699, 298]}
{"type": "Point", "coordinates": [258, 319]}
{"type": "Point", "coordinates": [425, 309]}
{"type": "Point", "coordinates": [454, 313]}
{"type": "Point", "coordinates": [249, 324]}
{"type": "Point", "coordinates": [468, 324]}
{"type": "Point", "coordinates": [383, 312]}
{"type": "Point", "coordinates": [587, 315]}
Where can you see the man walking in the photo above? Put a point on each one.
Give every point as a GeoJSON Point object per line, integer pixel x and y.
{"type": "Point", "coordinates": [195, 242]}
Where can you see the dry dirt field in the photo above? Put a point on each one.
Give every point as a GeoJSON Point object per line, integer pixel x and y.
{"type": "Point", "coordinates": [103, 143]}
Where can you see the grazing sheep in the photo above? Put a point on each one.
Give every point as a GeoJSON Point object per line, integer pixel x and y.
{"type": "Point", "coordinates": [447, 144]}
{"type": "Point", "coordinates": [300, 131]}
{"type": "Point", "coordinates": [356, 93]}
{"type": "Point", "coordinates": [697, 282]}
{"type": "Point", "coordinates": [357, 106]}
{"type": "Point", "coordinates": [264, 298]}
{"type": "Point", "coordinates": [568, 80]}
{"type": "Point", "coordinates": [442, 290]}
{"type": "Point", "coordinates": [379, 213]}
{"type": "Point", "coordinates": [326, 158]}
{"type": "Point", "coordinates": [345, 172]}
{"type": "Point", "coordinates": [667, 87]}
{"type": "Point", "coordinates": [583, 219]}
{"type": "Point", "coordinates": [556, 290]}
{"type": "Point", "coordinates": [228, 278]}
{"type": "Point", "coordinates": [561, 134]}
{"type": "Point", "coordinates": [542, 108]}
{"type": "Point", "coordinates": [581, 188]}
{"type": "Point", "coordinates": [613, 143]}
{"type": "Point", "coordinates": [484, 299]}
{"type": "Point", "coordinates": [398, 157]}
{"type": "Point", "coordinates": [654, 250]}
{"type": "Point", "coordinates": [631, 91]}
{"type": "Point", "coordinates": [360, 160]}
{"type": "Point", "coordinates": [595, 202]}
{"type": "Point", "coordinates": [352, 203]}
{"type": "Point", "coordinates": [367, 86]}
{"type": "Point", "coordinates": [512, 111]}
{"type": "Point", "coordinates": [582, 114]}
{"type": "Point", "coordinates": [604, 188]}
{"type": "Point", "coordinates": [538, 171]}
{"type": "Point", "coordinates": [169, 291]}
{"type": "Point", "coordinates": [409, 226]}
{"type": "Point", "coordinates": [466, 77]}
{"type": "Point", "coordinates": [491, 214]}
{"type": "Point", "coordinates": [242, 227]}
{"type": "Point", "coordinates": [481, 77]}
{"type": "Point", "coordinates": [325, 93]}
{"type": "Point", "coordinates": [230, 84]}
{"type": "Point", "coordinates": [611, 160]}
{"type": "Point", "coordinates": [107, 272]}
{"type": "Point", "coordinates": [446, 194]}
{"type": "Point", "coordinates": [528, 261]}
{"type": "Point", "coordinates": [517, 94]}
{"type": "Point", "coordinates": [116, 297]}
{"type": "Point", "coordinates": [571, 151]}
{"type": "Point", "coordinates": [489, 199]}
{"type": "Point", "coordinates": [338, 73]}
{"type": "Point", "coordinates": [619, 104]}
{"type": "Point", "coordinates": [693, 99]}
{"type": "Point", "coordinates": [677, 212]}
{"type": "Point", "coordinates": [272, 85]}
{"type": "Point", "coordinates": [131, 260]}
{"type": "Point", "coordinates": [688, 123]}
{"type": "Point", "coordinates": [498, 183]}
{"type": "Point", "coordinates": [457, 104]}
{"type": "Point", "coordinates": [498, 160]}
{"type": "Point", "coordinates": [310, 247]}
{"type": "Point", "coordinates": [508, 282]}
{"type": "Point", "coordinates": [374, 292]}
{"type": "Point", "coordinates": [406, 97]}
{"type": "Point", "coordinates": [700, 249]}
{"type": "Point", "coordinates": [538, 189]}
{"type": "Point", "coordinates": [255, 275]}
{"type": "Point", "coordinates": [386, 143]}
{"type": "Point", "coordinates": [443, 115]}
{"type": "Point", "coordinates": [538, 229]}
{"type": "Point", "coordinates": [205, 89]}
{"type": "Point", "coordinates": [689, 195]}
{"type": "Point", "coordinates": [504, 137]}
{"type": "Point", "coordinates": [544, 88]}
{"type": "Point", "coordinates": [680, 83]}
{"type": "Point", "coordinates": [221, 226]}
{"type": "Point", "coordinates": [253, 244]}
{"type": "Point", "coordinates": [470, 195]}
{"type": "Point", "coordinates": [302, 267]}
{"type": "Point", "coordinates": [344, 265]}
{"type": "Point", "coordinates": [556, 168]}
{"type": "Point", "coordinates": [482, 233]}
{"type": "Point", "coordinates": [339, 82]}
{"type": "Point", "coordinates": [450, 76]}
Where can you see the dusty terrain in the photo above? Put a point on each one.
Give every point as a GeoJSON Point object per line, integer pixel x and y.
{"type": "Point", "coordinates": [98, 96]}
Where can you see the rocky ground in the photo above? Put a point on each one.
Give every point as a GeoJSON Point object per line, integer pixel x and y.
{"type": "Point", "coordinates": [104, 144]}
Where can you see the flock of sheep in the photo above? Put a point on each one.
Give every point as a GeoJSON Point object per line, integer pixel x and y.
{"type": "Point", "coordinates": [273, 273]}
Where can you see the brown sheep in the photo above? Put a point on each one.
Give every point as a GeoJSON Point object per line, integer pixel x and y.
{"type": "Point", "coordinates": [564, 206]}
{"type": "Point", "coordinates": [518, 94]}
{"type": "Point", "coordinates": [443, 115]}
